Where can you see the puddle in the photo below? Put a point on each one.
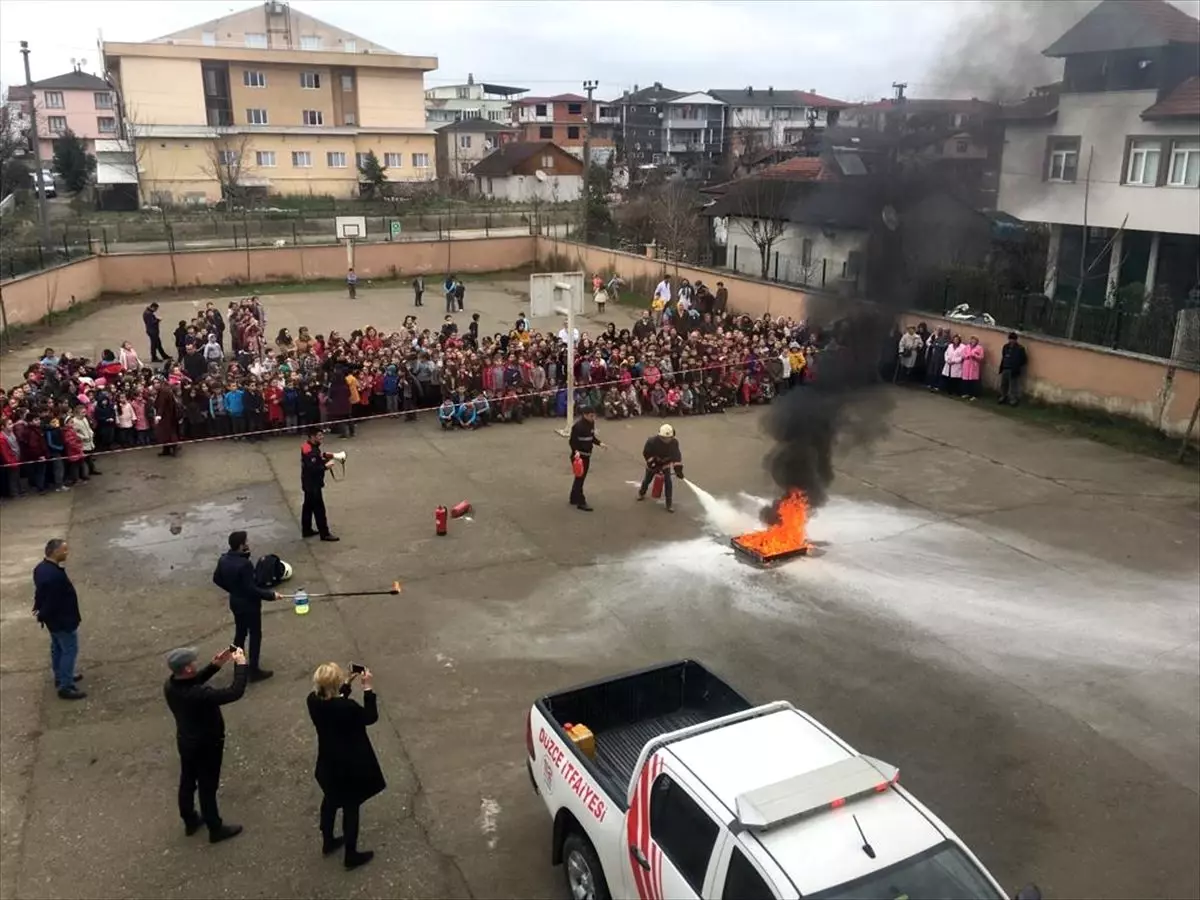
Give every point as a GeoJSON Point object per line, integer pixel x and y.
{"type": "Point", "coordinates": [194, 537]}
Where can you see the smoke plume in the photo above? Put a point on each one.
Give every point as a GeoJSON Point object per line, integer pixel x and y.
{"type": "Point", "coordinates": [994, 51]}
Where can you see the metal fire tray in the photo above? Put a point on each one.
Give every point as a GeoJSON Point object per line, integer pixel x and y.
{"type": "Point", "coordinates": [765, 561]}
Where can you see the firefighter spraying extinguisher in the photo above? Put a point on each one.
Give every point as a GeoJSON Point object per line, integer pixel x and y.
{"type": "Point", "coordinates": [663, 458]}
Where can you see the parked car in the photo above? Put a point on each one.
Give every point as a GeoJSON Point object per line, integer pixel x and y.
{"type": "Point", "coordinates": [45, 179]}
{"type": "Point", "coordinates": [667, 783]}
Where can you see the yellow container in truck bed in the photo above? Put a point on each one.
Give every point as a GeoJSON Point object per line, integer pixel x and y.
{"type": "Point", "coordinates": [581, 736]}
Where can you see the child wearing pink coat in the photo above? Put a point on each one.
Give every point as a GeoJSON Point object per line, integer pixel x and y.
{"type": "Point", "coordinates": [972, 365]}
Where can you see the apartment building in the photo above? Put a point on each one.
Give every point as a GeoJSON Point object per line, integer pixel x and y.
{"type": "Point", "coordinates": [463, 144]}
{"type": "Point", "coordinates": [1110, 158]}
{"type": "Point", "coordinates": [765, 119]}
{"type": "Point", "coordinates": [78, 102]}
{"type": "Point", "coordinates": [473, 100]}
{"type": "Point", "coordinates": [563, 119]}
{"type": "Point", "coordinates": [269, 100]}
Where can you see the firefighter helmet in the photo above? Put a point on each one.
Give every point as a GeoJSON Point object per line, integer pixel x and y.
{"type": "Point", "coordinates": [666, 430]}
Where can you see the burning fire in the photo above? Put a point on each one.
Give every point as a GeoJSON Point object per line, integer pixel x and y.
{"type": "Point", "coordinates": [786, 536]}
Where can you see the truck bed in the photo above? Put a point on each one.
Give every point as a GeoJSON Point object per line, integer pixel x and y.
{"type": "Point", "coordinates": [626, 712]}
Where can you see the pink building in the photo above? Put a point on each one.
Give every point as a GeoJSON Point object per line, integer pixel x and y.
{"type": "Point", "coordinates": [78, 102]}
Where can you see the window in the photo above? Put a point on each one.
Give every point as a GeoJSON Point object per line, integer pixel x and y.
{"type": "Point", "coordinates": [574, 109]}
{"type": "Point", "coordinates": [349, 119]}
{"type": "Point", "coordinates": [256, 117]}
{"type": "Point", "coordinates": [360, 160]}
{"type": "Point", "coordinates": [960, 146]}
{"type": "Point", "coordinates": [1062, 159]}
{"type": "Point", "coordinates": [539, 109]}
{"type": "Point", "coordinates": [421, 160]}
{"type": "Point", "coordinates": [806, 248]}
{"type": "Point", "coordinates": [310, 42]}
{"type": "Point", "coordinates": [54, 100]}
{"type": "Point", "coordinates": [301, 159]}
{"type": "Point", "coordinates": [350, 46]}
{"type": "Point", "coordinates": [265, 158]}
{"type": "Point", "coordinates": [313, 117]}
{"type": "Point", "coordinates": [742, 881]}
{"type": "Point", "coordinates": [546, 132]}
{"type": "Point", "coordinates": [310, 80]}
{"type": "Point", "coordinates": [1144, 159]}
{"type": "Point", "coordinates": [464, 141]}
{"type": "Point", "coordinates": [103, 100]}
{"type": "Point", "coordinates": [548, 161]}
{"type": "Point", "coordinates": [254, 79]}
{"type": "Point", "coordinates": [1185, 164]}
{"type": "Point", "coordinates": [853, 264]}
{"type": "Point", "coordinates": [256, 40]}
{"type": "Point", "coordinates": [347, 84]}
{"type": "Point", "coordinates": [208, 38]}
{"type": "Point", "coordinates": [227, 157]}
{"type": "Point", "coordinates": [683, 831]}
{"type": "Point", "coordinates": [335, 159]}
{"type": "Point", "coordinates": [393, 160]}
{"type": "Point", "coordinates": [573, 132]}
{"type": "Point", "coordinates": [57, 124]}
{"type": "Point", "coordinates": [106, 124]}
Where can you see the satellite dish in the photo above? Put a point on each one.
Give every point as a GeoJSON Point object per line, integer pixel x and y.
{"type": "Point", "coordinates": [539, 175]}
{"type": "Point", "coordinates": [890, 218]}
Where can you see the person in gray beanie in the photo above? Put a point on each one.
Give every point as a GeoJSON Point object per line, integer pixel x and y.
{"type": "Point", "coordinates": [200, 733]}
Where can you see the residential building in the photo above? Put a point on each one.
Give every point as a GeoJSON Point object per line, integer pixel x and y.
{"type": "Point", "coordinates": [1110, 159]}
{"type": "Point", "coordinates": [463, 144]}
{"type": "Point", "coordinates": [525, 171]}
{"type": "Point", "coordinates": [639, 136]}
{"type": "Point", "coordinates": [269, 100]}
{"type": "Point", "coordinates": [76, 102]}
{"type": "Point", "coordinates": [453, 102]}
{"type": "Point", "coordinates": [563, 119]}
{"type": "Point", "coordinates": [907, 114]}
{"type": "Point", "coordinates": [762, 119]}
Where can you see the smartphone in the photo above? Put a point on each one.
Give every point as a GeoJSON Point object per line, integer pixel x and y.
{"type": "Point", "coordinates": [233, 648]}
{"type": "Point", "coordinates": [356, 669]}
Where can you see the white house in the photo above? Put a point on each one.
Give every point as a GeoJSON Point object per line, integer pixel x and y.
{"type": "Point", "coordinates": [524, 171]}
{"type": "Point", "coordinates": [1115, 149]}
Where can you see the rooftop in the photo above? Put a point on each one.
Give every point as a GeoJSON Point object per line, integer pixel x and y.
{"type": "Point", "coordinates": [750, 96]}
{"type": "Point", "coordinates": [926, 104]}
{"type": "Point", "coordinates": [1127, 25]}
{"type": "Point", "coordinates": [506, 157]}
{"type": "Point", "coordinates": [1181, 103]}
{"type": "Point", "coordinates": [72, 81]}
{"type": "Point", "coordinates": [812, 201]}
{"type": "Point", "coordinates": [477, 124]}
{"type": "Point", "coordinates": [557, 98]}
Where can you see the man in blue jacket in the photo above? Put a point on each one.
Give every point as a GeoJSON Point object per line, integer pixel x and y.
{"type": "Point", "coordinates": [235, 574]}
{"type": "Point", "coordinates": [56, 606]}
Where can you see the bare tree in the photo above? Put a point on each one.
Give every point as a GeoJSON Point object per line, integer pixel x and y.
{"type": "Point", "coordinates": [758, 209]}
{"type": "Point", "coordinates": [227, 160]}
{"type": "Point", "coordinates": [676, 219]}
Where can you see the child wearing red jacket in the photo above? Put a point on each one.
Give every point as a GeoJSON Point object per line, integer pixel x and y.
{"type": "Point", "coordinates": [273, 400]}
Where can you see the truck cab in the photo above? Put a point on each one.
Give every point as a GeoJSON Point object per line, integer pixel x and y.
{"type": "Point", "coordinates": [722, 799]}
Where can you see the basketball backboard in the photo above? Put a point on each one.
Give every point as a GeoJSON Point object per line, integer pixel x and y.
{"type": "Point", "coordinates": [350, 228]}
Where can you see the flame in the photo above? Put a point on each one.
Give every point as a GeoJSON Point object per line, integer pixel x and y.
{"type": "Point", "coordinates": [785, 536]}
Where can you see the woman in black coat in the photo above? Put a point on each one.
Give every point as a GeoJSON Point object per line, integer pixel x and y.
{"type": "Point", "coordinates": [347, 769]}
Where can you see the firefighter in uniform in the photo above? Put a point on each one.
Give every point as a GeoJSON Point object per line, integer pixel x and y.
{"type": "Point", "coordinates": [583, 439]}
{"type": "Point", "coordinates": [662, 455]}
{"type": "Point", "coordinates": [313, 465]}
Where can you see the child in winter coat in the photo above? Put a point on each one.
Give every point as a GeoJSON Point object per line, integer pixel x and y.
{"type": "Point", "coordinates": [391, 389]}
{"type": "Point", "coordinates": [141, 421]}
{"type": "Point", "coordinates": [673, 398]}
{"type": "Point", "coordinates": [73, 450]}
{"type": "Point", "coordinates": [446, 414]}
{"type": "Point", "coordinates": [273, 400]}
{"type": "Point", "coordinates": [125, 422]}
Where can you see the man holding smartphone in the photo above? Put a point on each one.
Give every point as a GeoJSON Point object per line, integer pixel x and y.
{"type": "Point", "coordinates": [235, 574]}
{"type": "Point", "coordinates": [200, 734]}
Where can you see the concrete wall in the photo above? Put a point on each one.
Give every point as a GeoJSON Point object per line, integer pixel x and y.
{"type": "Point", "coordinates": [28, 298]}
{"type": "Point", "coordinates": [1103, 122]}
{"type": "Point", "coordinates": [525, 188]}
{"type": "Point", "coordinates": [1142, 388]}
{"type": "Point", "coordinates": [163, 91]}
{"type": "Point", "coordinates": [391, 99]}
{"type": "Point", "coordinates": [79, 109]}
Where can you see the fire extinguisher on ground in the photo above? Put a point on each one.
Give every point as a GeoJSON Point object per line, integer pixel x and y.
{"type": "Point", "coordinates": [440, 517]}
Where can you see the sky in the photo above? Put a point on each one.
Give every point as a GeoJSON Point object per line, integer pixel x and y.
{"type": "Point", "coordinates": [844, 49]}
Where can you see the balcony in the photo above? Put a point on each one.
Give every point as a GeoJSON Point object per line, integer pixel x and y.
{"type": "Point", "coordinates": [687, 147]}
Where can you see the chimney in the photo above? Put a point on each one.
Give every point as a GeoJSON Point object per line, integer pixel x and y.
{"type": "Point", "coordinates": [750, 91]}
{"type": "Point", "coordinates": [470, 78]}
{"type": "Point", "coordinates": [658, 85]}
{"type": "Point", "coordinates": [635, 87]}
{"type": "Point", "coordinates": [771, 91]}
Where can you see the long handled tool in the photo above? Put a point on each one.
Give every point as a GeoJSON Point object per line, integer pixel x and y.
{"type": "Point", "coordinates": [329, 595]}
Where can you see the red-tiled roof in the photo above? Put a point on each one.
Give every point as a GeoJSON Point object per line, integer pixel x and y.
{"type": "Point", "coordinates": [798, 168]}
{"type": "Point", "coordinates": [1183, 102]}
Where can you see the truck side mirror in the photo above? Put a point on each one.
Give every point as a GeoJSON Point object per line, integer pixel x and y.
{"type": "Point", "coordinates": [1029, 892]}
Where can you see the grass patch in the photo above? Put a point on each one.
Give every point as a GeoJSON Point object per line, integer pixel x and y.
{"type": "Point", "coordinates": [1104, 428]}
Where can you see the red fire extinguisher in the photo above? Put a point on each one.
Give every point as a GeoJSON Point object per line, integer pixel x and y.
{"type": "Point", "coordinates": [656, 488]}
{"type": "Point", "coordinates": [458, 510]}
{"type": "Point", "coordinates": [440, 517]}
{"type": "Point", "coordinates": [577, 465]}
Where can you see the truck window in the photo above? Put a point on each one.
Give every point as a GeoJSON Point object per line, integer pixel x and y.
{"type": "Point", "coordinates": [742, 881]}
{"type": "Point", "coordinates": [683, 831]}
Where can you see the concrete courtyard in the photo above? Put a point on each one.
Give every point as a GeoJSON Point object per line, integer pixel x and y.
{"type": "Point", "coordinates": [1009, 616]}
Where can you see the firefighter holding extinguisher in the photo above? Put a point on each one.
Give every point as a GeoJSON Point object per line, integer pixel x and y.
{"type": "Point", "coordinates": [583, 439]}
{"type": "Point", "coordinates": [662, 457]}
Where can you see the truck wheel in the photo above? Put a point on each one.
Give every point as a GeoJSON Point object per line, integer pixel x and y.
{"type": "Point", "coordinates": [585, 878]}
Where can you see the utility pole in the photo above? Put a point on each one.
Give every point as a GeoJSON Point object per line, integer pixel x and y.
{"type": "Point", "coordinates": [43, 221]}
{"type": "Point", "coordinates": [588, 86]}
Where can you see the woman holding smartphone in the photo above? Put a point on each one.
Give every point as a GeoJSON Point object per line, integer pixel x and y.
{"type": "Point", "coordinates": [347, 769]}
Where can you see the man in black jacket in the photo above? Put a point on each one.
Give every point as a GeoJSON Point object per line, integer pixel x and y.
{"type": "Point", "coordinates": [1013, 359]}
{"type": "Point", "coordinates": [56, 606]}
{"type": "Point", "coordinates": [200, 734]}
{"type": "Point", "coordinates": [583, 439]}
{"type": "Point", "coordinates": [235, 574]}
{"type": "Point", "coordinates": [153, 325]}
{"type": "Point", "coordinates": [662, 455]}
{"type": "Point", "coordinates": [313, 465]}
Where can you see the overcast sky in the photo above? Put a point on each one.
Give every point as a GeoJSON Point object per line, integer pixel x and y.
{"type": "Point", "coordinates": [843, 49]}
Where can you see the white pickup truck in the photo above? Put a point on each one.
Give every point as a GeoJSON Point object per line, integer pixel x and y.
{"type": "Point", "coordinates": [692, 792]}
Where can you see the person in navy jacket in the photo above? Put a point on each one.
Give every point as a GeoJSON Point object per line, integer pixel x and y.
{"type": "Point", "coordinates": [56, 606]}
